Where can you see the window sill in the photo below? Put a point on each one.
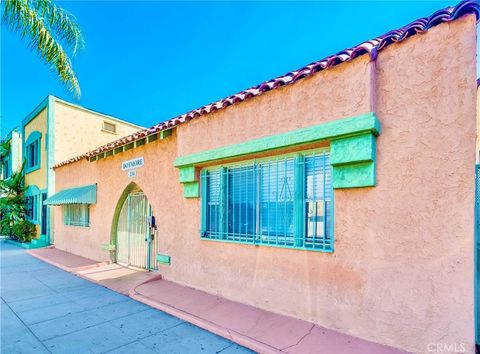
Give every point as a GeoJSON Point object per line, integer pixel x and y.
{"type": "Point", "coordinates": [322, 250]}
{"type": "Point", "coordinates": [109, 132]}
{"type": "Point", "coordinates": [78, 226]}
{"type": "Point", "coordinates": [32, 169]}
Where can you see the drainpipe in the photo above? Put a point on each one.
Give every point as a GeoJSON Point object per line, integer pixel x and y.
{"type": "Point", "coordinates": [372, 67]}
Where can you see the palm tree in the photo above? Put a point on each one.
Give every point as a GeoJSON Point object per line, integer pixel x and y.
{"type": "Point", "coordinates": [46, 27]}
{"type": "Point", "coordinates": [4, 150]}
{"type": "Point", "coordinates": [12, 200]}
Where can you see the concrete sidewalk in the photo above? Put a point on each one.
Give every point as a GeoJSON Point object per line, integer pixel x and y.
{"type": "Point", "coordinates": [46, 310]}
{"type": "Point", "coordinates": [259, 330]}
{"type": "Point", "coordinates": [112, 276]}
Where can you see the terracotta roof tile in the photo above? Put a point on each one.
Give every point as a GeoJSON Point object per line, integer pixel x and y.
{"type": "Point", "coordinates": [372, 47]}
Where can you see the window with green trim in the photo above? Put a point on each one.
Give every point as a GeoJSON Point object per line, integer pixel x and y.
{"type": "Point", "coordinates": [285, 201]}
{"type": "Point", "coordinates": [76, 215]}
{"type": "Point", "coordinates": [32, 152]}
{"type": "Point", "coordinates": [31, 206]}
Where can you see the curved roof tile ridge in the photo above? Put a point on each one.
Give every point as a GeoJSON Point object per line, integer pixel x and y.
{"type": "Point", "coordinates": [372, 47]}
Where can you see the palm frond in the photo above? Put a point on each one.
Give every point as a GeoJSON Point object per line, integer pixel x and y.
{"type": "Point", "coordinates": [62, 23]}
{"type": "Point", "coordinates": [5, 148]}
{"type": "Point", "coordinates": [39, 22]}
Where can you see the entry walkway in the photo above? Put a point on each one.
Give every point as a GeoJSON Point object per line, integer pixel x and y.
{"type": "Point", "coordinates": [46, 310]}
{"type": "Point", "coordinates": [112, 276]}
{"type": "Point", "coordinates": [259, 330]}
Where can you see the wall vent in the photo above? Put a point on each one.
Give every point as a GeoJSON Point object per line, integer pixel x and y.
{"type": "Point", "coordinates": [109, 127]}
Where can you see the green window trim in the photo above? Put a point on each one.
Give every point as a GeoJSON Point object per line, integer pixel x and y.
{"type": "Point", "coordinates": [32, 209]}
{"type": "Point", "coordinates": [284, 201]}
{"type": "Point", "coordinates": [352, 142]}
{"type": "Point", "coordinates": [32, 199]}
{"type": "Point", "coordinates": [32, 152]}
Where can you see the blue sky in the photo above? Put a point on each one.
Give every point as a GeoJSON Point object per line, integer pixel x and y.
{"type": "Point", "coordinates": [149, 61]}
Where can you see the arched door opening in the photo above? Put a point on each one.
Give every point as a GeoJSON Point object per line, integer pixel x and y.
{"type": "Point", "coordinates": [132, 234]}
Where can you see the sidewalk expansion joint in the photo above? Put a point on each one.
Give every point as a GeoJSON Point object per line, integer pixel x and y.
{"type": "Point", "coordinates": [302, 338]}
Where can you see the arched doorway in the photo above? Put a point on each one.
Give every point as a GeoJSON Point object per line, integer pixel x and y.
{"type": "Point", "coordinates": [134, 239]}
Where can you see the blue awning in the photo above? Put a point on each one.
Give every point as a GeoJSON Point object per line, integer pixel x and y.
{"type": "Point", "coordinates": [78, 195]}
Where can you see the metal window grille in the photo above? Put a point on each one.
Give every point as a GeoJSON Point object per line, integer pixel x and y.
{"type": "Point", "coordinates": [283, 202]}
{"type": "Point", "coordinates": [318, 202]}
{"type": "Point", "coordinates": [76, 215]}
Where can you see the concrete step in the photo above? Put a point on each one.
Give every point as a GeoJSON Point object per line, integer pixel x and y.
{"type": "Point", "coordinates": [28, 245]}
{"type": "Point", "coordinates": [41, 241]}
{"type": "Point", "coordinates": [37, 244]}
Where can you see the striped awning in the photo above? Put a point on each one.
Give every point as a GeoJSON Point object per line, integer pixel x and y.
{"type": "Point", "coordinates": [78, 195]}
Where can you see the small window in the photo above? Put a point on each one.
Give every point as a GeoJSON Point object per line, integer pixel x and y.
{"type": "Point", "coordinates": [109, 127]}
{"type": "Point", "coordinates": [31, 206]}
{"type": "Point", "coordinates": [7, 170]}
{"type": "Point", "coordinates": [76, 215]}
{"type": "Point", "coordinates": [32, 151]}
{"type": "Point", "coordinates": [283, 202]}
{"type": "Point", "coordinates": [33, 154]}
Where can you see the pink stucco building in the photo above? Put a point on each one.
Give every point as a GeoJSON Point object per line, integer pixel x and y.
{"type": "Point", "coordinates": [341, 193]}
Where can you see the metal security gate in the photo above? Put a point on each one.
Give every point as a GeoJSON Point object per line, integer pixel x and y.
{"type": "Point", "coordinates": [135, 246]}
{"type": "Point", "coordinates": [477, 254]}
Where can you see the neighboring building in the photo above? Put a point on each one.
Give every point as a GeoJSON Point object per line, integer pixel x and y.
{"type": "Point", "coordinates": [341, 193]}
{"type": "Point", "coordinates": [54, 131]}
{"type": "Point", "coordinates": [13, 161]}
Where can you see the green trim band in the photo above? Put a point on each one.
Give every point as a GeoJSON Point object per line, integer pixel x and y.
{"type": "Point", "coordinates": [353, 151]}
{"type": "Point", "coordinates": [366, 123]}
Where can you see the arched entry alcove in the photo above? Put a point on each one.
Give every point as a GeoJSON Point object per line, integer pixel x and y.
{"type": "Point", "coordinates": [130, 233]}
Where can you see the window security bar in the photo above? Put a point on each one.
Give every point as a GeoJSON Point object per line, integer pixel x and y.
{"type": "Point", "coordinates": [283, 202]}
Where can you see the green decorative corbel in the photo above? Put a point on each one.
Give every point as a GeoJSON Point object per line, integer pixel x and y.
{"type": "Point", "coordinates": [188, 177]}
{"type": "Point", "coordinates": [353, 161]}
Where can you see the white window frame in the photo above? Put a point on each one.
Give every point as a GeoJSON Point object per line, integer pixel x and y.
{"type": "Point", "coordinates": [80, 220]}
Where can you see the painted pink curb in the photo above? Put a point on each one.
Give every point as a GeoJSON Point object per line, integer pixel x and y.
{"type": "Point", "coordinates": [234, 336]}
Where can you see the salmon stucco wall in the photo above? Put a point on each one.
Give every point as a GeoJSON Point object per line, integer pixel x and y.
{"type": "Point", "coordinates": [157, 178]}
{"type": "Point", "coordinates": [343, 91]}
{"type": "Point", "coordinates": [78, 130]}
{"type": "Point", "coordinates": [402, 270]}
